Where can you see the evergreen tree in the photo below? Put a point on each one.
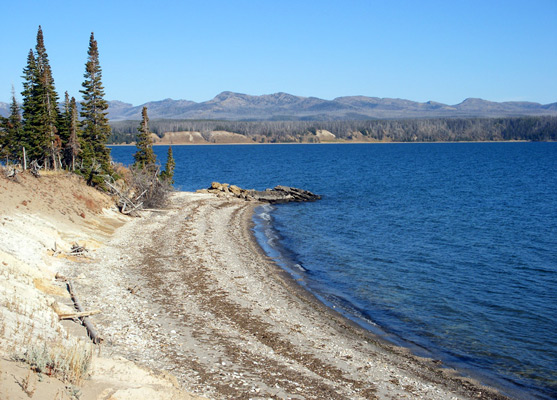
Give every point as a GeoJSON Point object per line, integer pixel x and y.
{"type": "Point", "coordinates": [144, 157]}
{"type": "Point", "coordinates": [3, 139]}
{"type": "Point", "coordinates": [40, 112]}
{"type": "Point", "coordinates": [30, 139]}
{"type": "Point", "coordinates": [13, 133]}
{"type": "Point", "coordinates": [95, 126]}
{"type": "Point", "coordinates": [168, 174]}
{"type": "Point", "coordinates": [65, 121]}
{"type": "Point", "coordinates": [73, 147]}
{"type": "Point", "coordinates": [48, 103]}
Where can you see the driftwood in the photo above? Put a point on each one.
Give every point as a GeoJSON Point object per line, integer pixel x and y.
{"type": "Point", "coordinates": [35, 168]}
{"type": "Point", "coordinates": [77, 250]}
{"type": "Point", "coordinates": [125, 204]}
{"type": "Point", "coordinates": [91, 331]}
{"type": "Point", "coordinates": [78, 314]}
{"type": "Point", "coordinates": [11, 172]}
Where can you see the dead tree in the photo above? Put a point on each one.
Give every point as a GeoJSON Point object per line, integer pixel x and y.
{"type": "Point", "coordinates": [35, 168]}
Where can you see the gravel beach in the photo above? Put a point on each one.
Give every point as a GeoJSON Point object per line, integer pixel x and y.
{"type": "Point", "coordinates": [189, 291]}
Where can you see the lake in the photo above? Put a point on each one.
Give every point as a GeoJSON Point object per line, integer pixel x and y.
{"type": "Point", "coordinates": [449, 249]}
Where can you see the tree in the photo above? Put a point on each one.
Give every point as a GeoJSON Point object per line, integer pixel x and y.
{"type": "Point", "coordinates": [73, 147]}
{"type": "Point", "coordinates": [40, 111]}
{"type": "Point", "coordinates": [48, 105]}
{"type": "Point", "coordinates": [4, 152]}
{"type": "Point", "coordinates": [144, 157]}
{"type": "Point", "coordinates": [96, 129]}
{"type": "Point", "coordinates": [65, 120]}
{"type": "Point", "coordinates": [30, 139]}
{"type": "Point", "coordinates": [13, 133]}
{"type": "Point", "coordinates": [168, 174]}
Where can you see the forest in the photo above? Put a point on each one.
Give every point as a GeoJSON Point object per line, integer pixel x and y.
{"type": "Point", "coordinates": [542, 128]}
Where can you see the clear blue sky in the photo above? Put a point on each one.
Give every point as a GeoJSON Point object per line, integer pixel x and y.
{"type": "Point", "coordinates": [446, 51]}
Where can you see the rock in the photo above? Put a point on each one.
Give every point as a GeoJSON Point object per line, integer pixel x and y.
{"type": "Point", "coordinates": [223, 187]}
{"type": "Point", "coordinates": [298, 194]}
{"type": "Point", "coordinates": [280, 194]}
{"type": "Point", "coordinates": [271, 196]}
{"type": "Point", "coordinates": [235, 189]}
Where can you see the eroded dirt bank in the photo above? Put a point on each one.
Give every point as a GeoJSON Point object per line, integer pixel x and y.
{"type": "Point", "coordinates": [187, 290]}
{"type": "Point", "coordinates": [40, 220]}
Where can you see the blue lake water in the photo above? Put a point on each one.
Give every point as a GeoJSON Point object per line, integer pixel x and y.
{"type": "Point", "coordinates": [449, 249]}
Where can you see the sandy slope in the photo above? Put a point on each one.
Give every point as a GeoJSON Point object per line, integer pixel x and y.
{"type": "Point", "coordinates": [37, 216]}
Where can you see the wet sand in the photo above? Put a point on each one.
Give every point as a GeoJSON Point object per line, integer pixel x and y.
{"type": "Point", "coordinates": [188, 290]}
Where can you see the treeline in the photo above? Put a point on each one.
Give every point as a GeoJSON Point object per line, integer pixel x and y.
{"type": "Point", "coordinates": [404, 130]}
{"type": "Point", "coordinates": [41, 134]}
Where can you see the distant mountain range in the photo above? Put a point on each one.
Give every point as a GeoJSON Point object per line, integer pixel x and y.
{"type": "Point", "coordinates": [284, 106]}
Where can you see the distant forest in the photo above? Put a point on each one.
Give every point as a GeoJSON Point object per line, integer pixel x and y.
{"type": "Point", "coordinates": [403, 130]}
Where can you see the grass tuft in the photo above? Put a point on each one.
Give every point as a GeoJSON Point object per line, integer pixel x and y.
{"type": "Point", "coordinates": [70, 365]}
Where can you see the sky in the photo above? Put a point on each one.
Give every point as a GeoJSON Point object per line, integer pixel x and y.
{"type": "Point", "coordinates": [445, 51]}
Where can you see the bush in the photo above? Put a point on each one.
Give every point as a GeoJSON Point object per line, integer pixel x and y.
{"type": "Point", "coordinates": [148, 187]}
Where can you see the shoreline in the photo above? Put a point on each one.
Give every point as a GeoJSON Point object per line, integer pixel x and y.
{"type": "Point", "coordinates": [189, 290]}
{"type": "Point", "coordinates": [345, 313]}
{"type": "Point", "coordinates": [327, 143]}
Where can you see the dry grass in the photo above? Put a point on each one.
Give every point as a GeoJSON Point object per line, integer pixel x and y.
{"type": "Point", "coordinates": [69, 365]}
{"type": "Point", "coordinates": [29, 384]}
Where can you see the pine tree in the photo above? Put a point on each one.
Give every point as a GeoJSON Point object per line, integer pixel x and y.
{"type": "Point", "coordinates": [168, 174]}
{"type": "Point", "coordinates": [73, 147]}
{"type": "Point", "coordinates": [30, 139]}
{"type": "Point", "coordinates": [4, 141]}
{"type": "Point", "coordinates": [65, 121]}
{"type": "Point", "coordinates": [40, 111]}
{"type": "Point", "coordinates": [96, 129]}
{"type": "Point", "coordinates": [48, 103]}
{"type": "Point", "coordinates": [144, 157]}
{"type": "Point", "coordinates": [13, 133]}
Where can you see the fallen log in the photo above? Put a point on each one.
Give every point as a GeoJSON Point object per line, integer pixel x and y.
{"type": "Point", "coordinates": [91, 331]}
{"type": "Point", "coordinates": [78, 314]}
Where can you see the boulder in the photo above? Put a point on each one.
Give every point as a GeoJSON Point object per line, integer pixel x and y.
{"type": "Point", "coordinates": [235, 189]}
{"type": "Point", "coordinates": [219, 186]}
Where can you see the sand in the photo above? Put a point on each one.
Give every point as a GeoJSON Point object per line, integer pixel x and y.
{"type": "Point", "coordinates": [191, 306]}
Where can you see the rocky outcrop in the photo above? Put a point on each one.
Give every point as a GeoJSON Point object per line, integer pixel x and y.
{"type": "Point", "coordinates": [279, 194]}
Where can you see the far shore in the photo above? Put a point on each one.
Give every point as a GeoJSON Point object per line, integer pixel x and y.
{"type": "Point", "coordinates": [327, 143]}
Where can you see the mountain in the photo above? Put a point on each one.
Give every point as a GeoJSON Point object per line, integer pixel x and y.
{"type": "Point", "coordinates": [284, 106]}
